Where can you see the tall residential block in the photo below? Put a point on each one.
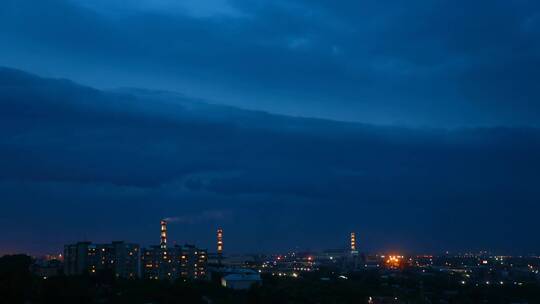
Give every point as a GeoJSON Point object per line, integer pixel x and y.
{"type": "Point", "coordinates": [86, 258]}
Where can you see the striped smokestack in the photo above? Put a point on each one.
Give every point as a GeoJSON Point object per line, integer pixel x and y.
{"type": "Point", "coordinates": [220, 241]}
{"type": "Point", "coordinates": [163, 242]}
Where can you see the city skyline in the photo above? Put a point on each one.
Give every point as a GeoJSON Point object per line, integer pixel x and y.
{"type": "Point", "coordinates": [349, 245]}
{"type": "Point", "coordinates": [269, 151]}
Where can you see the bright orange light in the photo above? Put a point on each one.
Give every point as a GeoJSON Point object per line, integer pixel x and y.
{"type": "Point", "coordinates": [394, 261]}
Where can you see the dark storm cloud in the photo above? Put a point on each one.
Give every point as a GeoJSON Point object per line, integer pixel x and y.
{"type": "Point", "coordinates": [110, 164]}
{"type": "Point", "coordinates": [441, 63]}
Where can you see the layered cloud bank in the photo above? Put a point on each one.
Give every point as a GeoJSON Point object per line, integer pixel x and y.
{"type": "Point", "coordinates": [81, 163]}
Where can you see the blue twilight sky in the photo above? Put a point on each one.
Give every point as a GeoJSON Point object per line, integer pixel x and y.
{"type": "Point", "coordinates": [423, 62]}
{"type": "Point", "coordinates": [422, 132]}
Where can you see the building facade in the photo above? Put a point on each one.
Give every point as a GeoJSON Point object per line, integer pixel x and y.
{"type": "Point", "coordinates": [171, 263]}
{"type": "Point", "coordinates": [86, 258]}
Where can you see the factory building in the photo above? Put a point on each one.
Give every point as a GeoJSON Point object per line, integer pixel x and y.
{"type": "Point", "coordinates": [240, 279]}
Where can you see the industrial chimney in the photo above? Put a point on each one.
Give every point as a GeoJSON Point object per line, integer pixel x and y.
{"type": "Point", "coordinates": [220, 241]}
{"type": "Point", "coordinates": [220, 245]}
{"type": "Point", "coordinates": [163, 242]}
{"type": "Point", "coordinates": [353, 242]}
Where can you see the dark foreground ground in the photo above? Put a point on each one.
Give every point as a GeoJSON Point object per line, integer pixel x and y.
{"type": "Point", "coordinates": [18, 285]}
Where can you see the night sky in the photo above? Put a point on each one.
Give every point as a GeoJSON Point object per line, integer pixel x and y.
{"type": "Point", "coordinates": [288, 123]}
